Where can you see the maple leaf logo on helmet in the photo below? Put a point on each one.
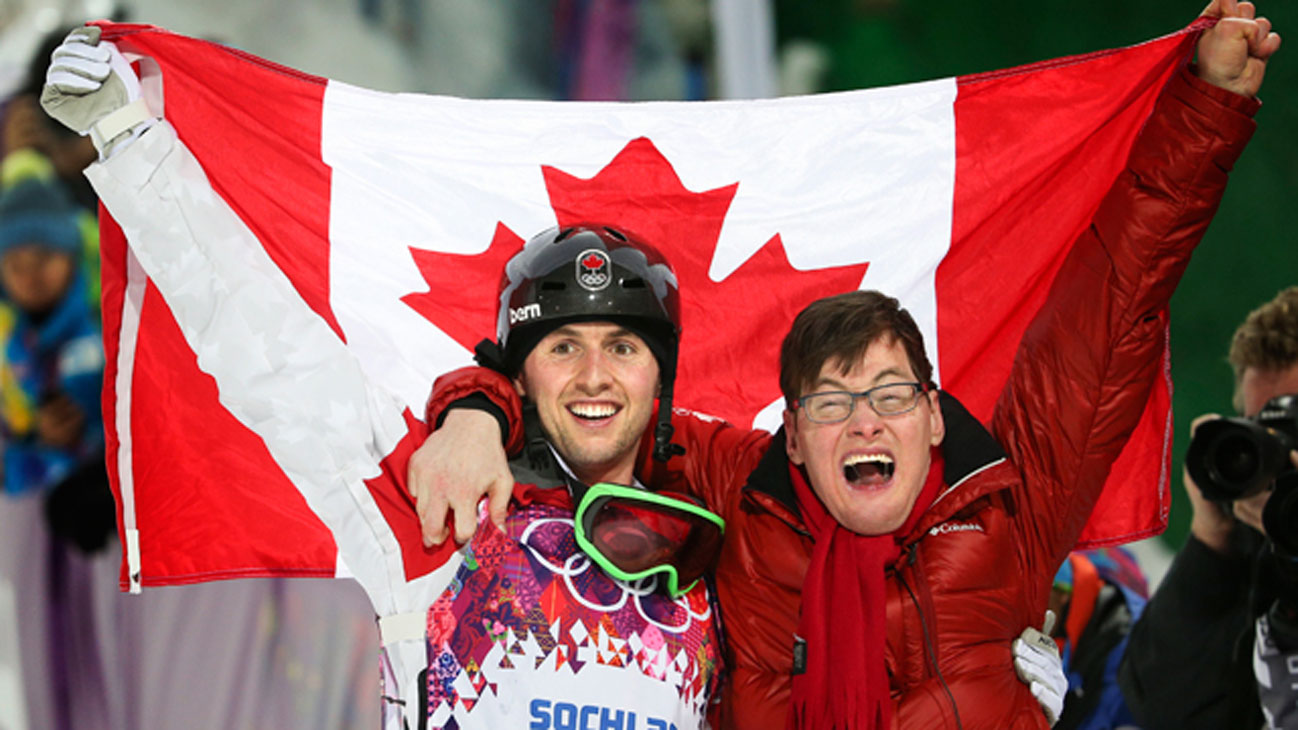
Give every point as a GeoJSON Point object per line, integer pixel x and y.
{"type": "Point", "coordinates": [593, 270]}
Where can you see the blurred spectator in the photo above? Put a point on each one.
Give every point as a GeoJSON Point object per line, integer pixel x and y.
{"type": "Point", "coordinates": [51, 372]}
{"type": "Point", "coordinates": [1189, 660]}
{"type": "Point", "coordinates": [74, 652]}
{"type": "Point", "coordinates": [1098, 594]}
{"type": "Point", "coordinates": [51, 449]}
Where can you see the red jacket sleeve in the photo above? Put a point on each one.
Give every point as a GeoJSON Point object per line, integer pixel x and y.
{"type": "Point", "coordinates": [1084, 369]}
{"type": "Point", "coordinates": [470, 380]}
{"type": "Point", "coordinates": [717, 461]}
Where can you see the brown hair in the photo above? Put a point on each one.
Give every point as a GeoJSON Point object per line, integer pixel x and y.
{"type": "Point", "coordinates": [1267, 340]}
{"type": "Point", "coordinates": [840, 329]}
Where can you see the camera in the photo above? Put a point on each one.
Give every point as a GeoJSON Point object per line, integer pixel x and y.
{"type": "Point", "coordinates": [1236, 458]}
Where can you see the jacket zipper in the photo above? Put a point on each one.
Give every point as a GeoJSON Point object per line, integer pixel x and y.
{"type": "Point", "coordinates": [923, 609]}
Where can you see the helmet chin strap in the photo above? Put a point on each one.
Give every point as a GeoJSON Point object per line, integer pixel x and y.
{"type": "Point", "coordinates": [489, 355]}
{"type": "Point", "coordinates": [664, 449]}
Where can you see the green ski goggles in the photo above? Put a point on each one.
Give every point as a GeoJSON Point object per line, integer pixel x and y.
{"type": "Point", "coordinates": [634, 533]}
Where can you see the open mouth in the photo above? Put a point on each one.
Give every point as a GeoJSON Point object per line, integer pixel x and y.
{"type": "Point", "coordinates": [868, 470]}
{"type": "Point", "coordinates": [593, 411]}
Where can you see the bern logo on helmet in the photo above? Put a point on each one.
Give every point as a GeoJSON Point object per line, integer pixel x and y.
{"type": "Point", "coordinates": [524, 313]}
{"type": "Point", "coordinates": [593, 272]}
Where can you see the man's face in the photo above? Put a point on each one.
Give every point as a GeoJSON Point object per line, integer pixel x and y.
{"type": "Point", "coordinates": [889, 454]}
{"type": "Point", "coordinates": [34, 277]}
{"type": "Point", "coordinates": [1256, 387]}
{"type": "Point", "coordinates": [594, 385]}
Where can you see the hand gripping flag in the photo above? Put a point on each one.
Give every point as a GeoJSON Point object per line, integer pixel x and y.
{"type": "Point", "coordinates": [392, 216]}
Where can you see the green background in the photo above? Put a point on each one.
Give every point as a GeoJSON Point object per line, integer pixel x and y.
{"type": "Point", "coordinates": [1248, 254]}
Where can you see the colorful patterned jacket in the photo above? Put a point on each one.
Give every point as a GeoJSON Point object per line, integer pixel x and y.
{"type": "Point", "coordinates": [531, 633]}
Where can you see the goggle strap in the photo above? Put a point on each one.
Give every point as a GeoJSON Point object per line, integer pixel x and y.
{"type": "Point", "coordinates": [605, 489]}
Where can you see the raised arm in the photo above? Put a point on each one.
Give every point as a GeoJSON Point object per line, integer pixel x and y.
{"type": "Point", "coordinates": [1085, 366]}
{"type": "Point", "coordinates": [288, 378]}
{"type": "Point", "coordinates": [285, 377]}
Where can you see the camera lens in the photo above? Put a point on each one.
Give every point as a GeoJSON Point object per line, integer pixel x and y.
{"type": "Point", "coordinates": [1235, 459]}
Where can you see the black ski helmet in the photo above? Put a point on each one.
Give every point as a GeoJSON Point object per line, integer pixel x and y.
{"type": "Point", "coordinates": [584, 273]}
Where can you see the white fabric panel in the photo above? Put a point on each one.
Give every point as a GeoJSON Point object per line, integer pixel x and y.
{"type": "Point", "coordinates": [127, 337]}
{"type": "Point", "coordinates": [288, 378]}
{"type": "Point", "coordinates": [843, 178]}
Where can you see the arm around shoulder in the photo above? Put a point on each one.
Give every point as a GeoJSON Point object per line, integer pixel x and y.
{"type": "Point", "coordinates": [495, 388]}
{"type": "Point", "coordinates": [717, 461]}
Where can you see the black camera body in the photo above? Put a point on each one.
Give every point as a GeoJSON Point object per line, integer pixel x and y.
{"type": "Point", "coordinates": [1236, 458]}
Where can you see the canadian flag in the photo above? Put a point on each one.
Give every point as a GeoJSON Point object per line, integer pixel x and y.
{"type": "Point", "coordinates": [392, 216]}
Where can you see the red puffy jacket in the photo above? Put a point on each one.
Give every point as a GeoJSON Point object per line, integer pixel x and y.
{"type": "Point", "coordinates": [978, 566]}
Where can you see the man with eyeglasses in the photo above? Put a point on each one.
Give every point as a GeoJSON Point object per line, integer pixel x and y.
{"type": "Point", "coordinates": [884, 548]}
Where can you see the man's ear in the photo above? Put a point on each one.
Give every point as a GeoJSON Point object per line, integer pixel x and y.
{"type": "Point", "coordinates": [791, 445]}
{"type": "Point", "coordinates": [937, 426]}
{"type": "Point", "coordinates": [519, 385]}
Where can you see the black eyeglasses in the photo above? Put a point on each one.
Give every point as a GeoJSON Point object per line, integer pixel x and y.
{"type": "Point", "coordinates": [835, 406]}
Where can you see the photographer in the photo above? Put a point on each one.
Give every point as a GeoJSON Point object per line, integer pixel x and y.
{"type": "Point", "coordinates": [1189, 660]}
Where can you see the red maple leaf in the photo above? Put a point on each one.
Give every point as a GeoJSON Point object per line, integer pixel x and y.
{"type": "Point", "coordinates": [731, 328]}
{"type": "Point", "coordinates": [592, 262]}
{"type": "Point", "coordinates": [463, 289]}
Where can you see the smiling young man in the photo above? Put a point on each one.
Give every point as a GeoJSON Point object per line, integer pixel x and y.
{"type": "Point", "coordinates": [885, 547]}
{"type": "Point", "coordinates": [588, 332]}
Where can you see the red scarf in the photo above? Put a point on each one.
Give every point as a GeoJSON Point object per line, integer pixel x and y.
{"type": "Point", "coordinates": [845, 685]}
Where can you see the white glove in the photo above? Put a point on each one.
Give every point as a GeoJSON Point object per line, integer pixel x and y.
{"type": "Point", "coordinates": [91, 89]}
{"type": "Point", "coordinates": [1038, 664]}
